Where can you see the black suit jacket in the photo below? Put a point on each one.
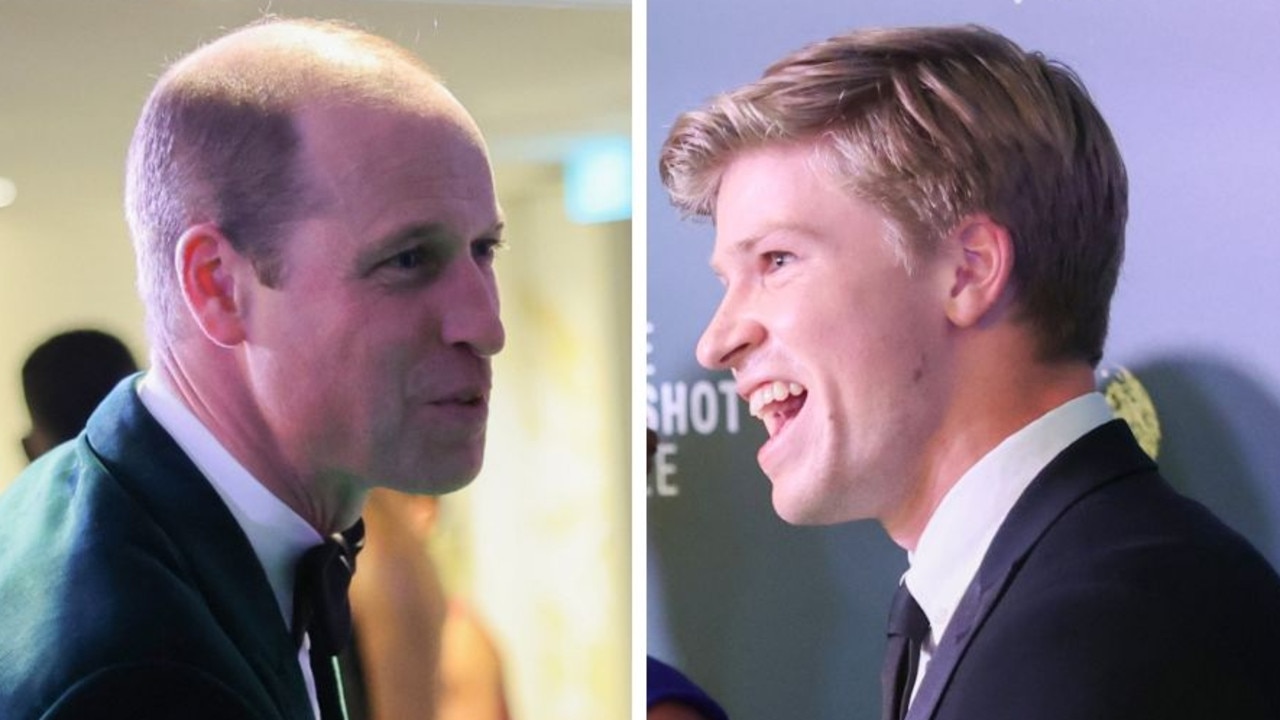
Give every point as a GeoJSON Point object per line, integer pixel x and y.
{"type": "Point", "coordinates": [1105, 594]}
{"type": "Point", "coordinates": [128, 590]}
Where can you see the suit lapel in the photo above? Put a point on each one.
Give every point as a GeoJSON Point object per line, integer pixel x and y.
{"type": "Point", "coordinates": [1101, 456]}
{"type": "Point", "coordinates": [221, 563]}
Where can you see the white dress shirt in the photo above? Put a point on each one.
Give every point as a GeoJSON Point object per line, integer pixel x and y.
{"type": "Point", "coordinates": [957, 536]}
{"type": "Point", "coordinates": [278, 535]}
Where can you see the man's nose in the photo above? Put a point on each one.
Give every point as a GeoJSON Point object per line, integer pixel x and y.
{"type": "Point", "coordinates": [731, 334]}
{"type": "Point", "coordinates": [473, 318]}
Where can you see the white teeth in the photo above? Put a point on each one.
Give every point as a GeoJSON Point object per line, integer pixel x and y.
{"type": "Point", "coordinates": [772, 392]}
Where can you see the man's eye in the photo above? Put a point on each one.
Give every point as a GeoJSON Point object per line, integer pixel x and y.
{"type": "Point", "coordinates": [408, 259]}
{"type": "Point", "coordinates": [485, 250]}
{"type": "Point", "coordinates": [777, 259]}
{"type": "Point", "coordinates": [413, 264]}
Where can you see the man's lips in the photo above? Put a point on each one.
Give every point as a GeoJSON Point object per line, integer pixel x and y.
{"type": "Point", "coordinates": [477, 397]}
{"type": "Point", "coordinates": [466, 409]}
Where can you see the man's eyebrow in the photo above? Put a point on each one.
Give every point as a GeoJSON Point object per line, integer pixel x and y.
{"type": "Point", "coordinates": [433, 234]}
{"type": "Point", "coordinates": [402, 239]}
{"type": "Point", "coordinates": [743, 246]}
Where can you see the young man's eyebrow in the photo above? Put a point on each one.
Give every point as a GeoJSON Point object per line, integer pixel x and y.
{"type": "Point", "coordinates": [742, 246]}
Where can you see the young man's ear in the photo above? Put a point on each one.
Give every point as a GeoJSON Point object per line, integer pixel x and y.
{"type": "Point", "coordinates": [209, 269]}
{"type": "Point", "coordinates": [983, 269]}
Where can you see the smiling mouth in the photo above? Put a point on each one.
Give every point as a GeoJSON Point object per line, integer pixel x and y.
{"type": "Point", "coordinates": [776, 403]}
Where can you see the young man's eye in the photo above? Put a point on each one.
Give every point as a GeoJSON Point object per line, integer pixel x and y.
{"type": "Point", "coordinates": [778, 258]}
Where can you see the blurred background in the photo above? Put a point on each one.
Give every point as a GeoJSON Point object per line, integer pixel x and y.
{"type": "Point", "coordinates": [788, 622]}
{"type": "Point", "coordinates": [538, 546]}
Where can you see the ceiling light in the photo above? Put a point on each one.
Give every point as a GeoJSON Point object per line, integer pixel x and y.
{"type": "Point", "coordinates": [8, 192]}
{"type": "Point", "coordinates": [598, 180]}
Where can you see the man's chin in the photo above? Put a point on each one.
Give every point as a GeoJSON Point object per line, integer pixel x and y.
{"type": "Point", "coordinates": [440, 482]}
{"type": "Point", "coordinates": [453, 484]}
{"type": "Point", "coordinates": [794, 510]}
{"type": "Point", "coordinates": [806, 508]}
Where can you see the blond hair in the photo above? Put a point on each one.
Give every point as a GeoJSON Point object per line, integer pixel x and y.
{"type": "Point", "coordinates": [931, 125]}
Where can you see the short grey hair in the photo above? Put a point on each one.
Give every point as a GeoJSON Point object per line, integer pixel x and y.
{"type": "Point", "coordinates": [218, 143]}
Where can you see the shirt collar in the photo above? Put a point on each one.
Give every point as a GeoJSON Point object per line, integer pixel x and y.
{"type": "Point", "coordinates": [958, 534]}
{"type": "Point", "coordinates": [278, 535]}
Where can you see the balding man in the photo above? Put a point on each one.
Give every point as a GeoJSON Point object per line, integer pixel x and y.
{"type": "Point", "coordinates": [315, 224]}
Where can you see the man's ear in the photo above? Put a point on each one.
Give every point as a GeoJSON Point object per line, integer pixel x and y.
{"type": "Point", "coordinates": [208, 269]}
{"type": "Point", "coordinates": [983, 269]}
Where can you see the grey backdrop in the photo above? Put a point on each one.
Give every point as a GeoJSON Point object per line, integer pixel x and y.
{"type": "Point", "coordinates": [782, 622]}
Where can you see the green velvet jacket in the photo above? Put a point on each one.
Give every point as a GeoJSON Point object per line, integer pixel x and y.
{"type": "Point", "coordinates": [127, 589]}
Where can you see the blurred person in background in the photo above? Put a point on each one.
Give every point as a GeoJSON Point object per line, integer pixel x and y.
{"type": "Point", "coordinates": [417, 651]}
{"type": "Point", "coordinates": [64, 379]}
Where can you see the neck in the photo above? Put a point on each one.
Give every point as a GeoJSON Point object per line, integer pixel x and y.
{"type": "Point", "coordinates": [220, 397]}
{"type": "Point", "coordinates": [990, 402]}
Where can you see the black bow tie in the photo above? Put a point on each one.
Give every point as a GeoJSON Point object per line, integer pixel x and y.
{"type": "Point", "coordinates": [321, 609]}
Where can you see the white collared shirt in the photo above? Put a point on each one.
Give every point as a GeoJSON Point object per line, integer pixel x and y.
{"type": "Point", "coordinates": [957, 536]}
{"type": "Point", "coordinates": [278, 535]}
